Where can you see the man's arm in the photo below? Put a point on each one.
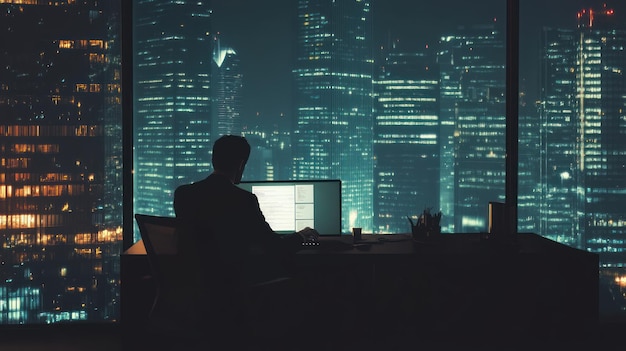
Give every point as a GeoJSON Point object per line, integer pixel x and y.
{"type": "Point", "coordinates": [268, 238]}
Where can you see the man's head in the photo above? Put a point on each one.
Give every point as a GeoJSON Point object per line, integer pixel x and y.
{"type": "Point", "coordinates": [230, 154]}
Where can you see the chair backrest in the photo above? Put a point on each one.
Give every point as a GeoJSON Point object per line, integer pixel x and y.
{"type": "Point", "coordinates": [158, 234]}
{"type": "Point", "coordinates": [172, 308]}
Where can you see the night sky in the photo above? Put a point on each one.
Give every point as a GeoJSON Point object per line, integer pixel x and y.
{"type": "Point", "coordinates": [262, 34]}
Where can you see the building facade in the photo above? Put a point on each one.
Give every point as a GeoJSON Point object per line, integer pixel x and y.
{"type": "Point", "coordinates": [226, 86]}
{"type": "Point", "coordinates": [333, 101]}
{"type": "Point", "coordinates": [584, 122]}
{"type": "Point", "coordinates": [560, 205]}
{"type": "Point", "coordinates": [473, 120]}
{"type": "Point", "coordinates": [172, 59]}
{"type": "Point", "coordinates": [406, 138]}
{"type": "Point", "coordinates": [60, 162]}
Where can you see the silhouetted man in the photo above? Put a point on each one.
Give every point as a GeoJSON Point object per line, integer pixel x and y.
{"type": "Point", "coordinates": [226, 241]}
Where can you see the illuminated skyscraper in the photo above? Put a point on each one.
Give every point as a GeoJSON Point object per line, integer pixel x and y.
{"type": "Point", "coordinates": [472, 66]}
{"type": "Point", "coordinates": [333, 101]}
{"type": "Point", "coordinates": [560, 212]}
{"type": "Point", "coordinates": [585, 164]}
{"type": "Point", "coordinates": [529, 156]}
{"type": "Point", "coordinates": [60, 162]}
{"type": "Point", "coordinates": [272, 149]}
{"type": "Point", "coordinates": [227, 82]}
{"type": "Point", "coordinates": [406, 141]}
{"type": "Point", "coordinates": [172, 49]}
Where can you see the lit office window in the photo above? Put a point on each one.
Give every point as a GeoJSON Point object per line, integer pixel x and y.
{"type": "Point", "coordinates": [408, 112]}
{"type": "Point", "coordinates": [571, 145]}
{"type": "Point", "coordinates": [60, 162]}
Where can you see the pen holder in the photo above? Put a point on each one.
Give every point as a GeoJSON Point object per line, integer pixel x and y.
{"type": "Point", "coordinates": [422, 234]}
{"type": "Point", "coordinates": [356, 235]}
{"type": "Point", "coordinates": [427, 226]}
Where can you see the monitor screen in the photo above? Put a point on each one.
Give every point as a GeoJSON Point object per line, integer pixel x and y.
{"type": "Point", "coordinates": [289, 206]}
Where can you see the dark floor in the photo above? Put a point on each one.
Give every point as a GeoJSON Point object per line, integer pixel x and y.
{"type": "Point", "coordinates": [110, 337]}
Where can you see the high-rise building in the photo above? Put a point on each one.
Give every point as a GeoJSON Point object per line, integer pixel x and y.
{"type": "Point", "coordinates": [584, 127]}
{"type": "Point", "coordinates": [271, 148]}
{"type": "Point", "coordinates": [172, 47]}
{"type": "Point", "coordinates": [529, 157]}
{"type": "Point", "coordinates": [226, 85]}
{"type": "Point", "coordinates": [473, 120]}
{"type": "Point", "coordinates": [559, 207]}
{"type": "Point", "coordinates": [60, 161]}
{"type": "Point", "coordinates": [333, 101]}
{"type": "Point", "coordinates": [406, 138]}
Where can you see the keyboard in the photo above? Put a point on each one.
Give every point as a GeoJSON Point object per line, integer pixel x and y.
{"type": "Point", "coordinates": [328, 244]}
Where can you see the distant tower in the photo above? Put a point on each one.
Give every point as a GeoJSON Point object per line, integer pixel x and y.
{"type": "Point", "coordinates": [333, 101]}
{"type": "Point", "coordinates": [272, 147]}
{"type": "Point", "coordinates": [529, 162]}
{"type": "Point", "coordinates": [406, 140]}
{"type": "Point", "coordinates": [473, 124]}
{"type": "Point", "coordinates": [601, 79]}
{"type": "Point", "coordinates": [226, 85]}
{"type": "Point", "coordinates": [172, 100]}
{"type": "Point", "coordinates": [584, 170]}
{"type": "Point", "coordinates": [560, 203]}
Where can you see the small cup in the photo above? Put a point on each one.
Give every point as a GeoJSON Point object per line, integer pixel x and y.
{"type": "Point", "coordinates": [356, 234]}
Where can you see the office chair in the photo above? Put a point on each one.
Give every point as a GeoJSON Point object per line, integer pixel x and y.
{"type": "Point", "coordinates": [170, 310]}
{"type": "Point", "coordinates": [180, 309]}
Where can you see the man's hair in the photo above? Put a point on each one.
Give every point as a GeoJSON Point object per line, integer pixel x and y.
{"type": "Point", "coordinates": [229, 151]}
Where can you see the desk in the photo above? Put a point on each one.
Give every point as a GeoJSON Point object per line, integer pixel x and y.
{"type": "Point", "coordinates": [456, 283]}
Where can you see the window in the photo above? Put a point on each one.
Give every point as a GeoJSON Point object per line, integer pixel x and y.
{"type": "Point", "coordinates": [408, 112]}
{"type": "Point", "coordinates": [60, 162]}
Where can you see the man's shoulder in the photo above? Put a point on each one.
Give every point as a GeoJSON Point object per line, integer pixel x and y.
{"type": "Point", "coordinates": [186, 188]}
{"type": "Point", "coordinates": [211, 184]}
{"type": "Point", "coordinates": [206, 182]}
{"type": "Point", "coordinates": [187, 192]}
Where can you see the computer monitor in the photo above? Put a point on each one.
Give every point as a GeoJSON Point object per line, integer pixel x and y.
{"type": "Point", "coordinates": [289, 206]}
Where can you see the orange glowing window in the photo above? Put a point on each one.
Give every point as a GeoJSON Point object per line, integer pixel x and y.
{"type": "Point", "coordinates": [94, 88]}
{"type": "Point", "coordinates": [97, 44]}
{"type": "Point", "coordinates": [48, 148]}
{"type": "Point", "coordinates": [81, 88]}
{"type": "Point", "coordinates": [23, 148]}
{"type": "Point", "coordinates": [66, 44]}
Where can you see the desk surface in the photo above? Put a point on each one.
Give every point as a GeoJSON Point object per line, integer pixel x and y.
{"type": "Point", "coordinates": [403, 244]}
{"type": "Point", "coordinates": [392, 244]}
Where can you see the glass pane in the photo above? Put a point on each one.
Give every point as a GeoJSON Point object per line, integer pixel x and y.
{"type": "Point", "coordinates": [406, 108]}
{"type": "Point", "coordinates": [572, 126]}
{"type": "Point", "coordinates": [60, 162]}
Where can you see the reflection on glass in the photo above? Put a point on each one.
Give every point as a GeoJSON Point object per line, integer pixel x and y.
{"type": "Point", "coordinates": [408, 111]}
{"type": "Point", "coordinates": [573, 143]}
{"type": "Point", "coordinates": [60, 162]}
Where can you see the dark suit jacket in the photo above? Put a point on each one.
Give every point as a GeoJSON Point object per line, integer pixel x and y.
{"type": "Point", "coordinates": [223, 226]}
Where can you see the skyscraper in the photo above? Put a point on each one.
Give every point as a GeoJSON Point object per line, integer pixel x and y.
{"type": "Point", "coordinates": [60, 162]}
{"type": "Point", "coordinates": [601, 68]}
{"type": "Point", "coordinates": [272, 149]}
{"type": "Point", "coordinates": [472, 66]}
{"type": "Point", "coordinates": [560, 203]}
{"type": "Point", "coordinates": [172, 44]}
{"type": "Point", "coordinates": [406, 138]}
{"type": "Point", "coordinates": [584, 171]}
{"type": "Point", "coordinates": [333, 101]}
{"type": "Point", "coordinates": [227, 81]}
{"type": "Point", "coordinates": [529, 156]}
